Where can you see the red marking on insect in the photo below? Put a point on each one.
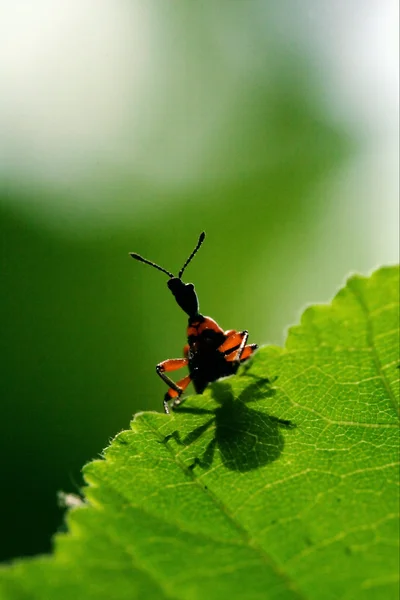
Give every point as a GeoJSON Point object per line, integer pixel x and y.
{"type": "Point", "coordinates": [210, 353]}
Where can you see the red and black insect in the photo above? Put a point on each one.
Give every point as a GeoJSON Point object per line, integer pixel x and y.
{"type": "Point", "coordinates": [211, 352]}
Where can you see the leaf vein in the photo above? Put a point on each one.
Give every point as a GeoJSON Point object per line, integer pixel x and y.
{"type": "Point", "coordinates": [370, 336]}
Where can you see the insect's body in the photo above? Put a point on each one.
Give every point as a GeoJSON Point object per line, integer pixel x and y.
{"type": "Point", "coordinates": [206, 362]}
{"type": "Point", "coordinates": [210, 353]}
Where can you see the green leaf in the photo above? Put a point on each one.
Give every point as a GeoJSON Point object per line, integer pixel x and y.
{"type": "Point", "coordinates": [253, 490]}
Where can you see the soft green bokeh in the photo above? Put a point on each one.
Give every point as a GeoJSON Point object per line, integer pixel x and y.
{"type": "Point", "coordinates": [232, 135]}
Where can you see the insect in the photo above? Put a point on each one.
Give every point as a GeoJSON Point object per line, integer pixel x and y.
{"type": "Point", "coordinates": [210, 352]}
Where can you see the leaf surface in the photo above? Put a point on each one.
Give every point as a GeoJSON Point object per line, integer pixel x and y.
{"type": "Point", "coordinates": [280, 482]}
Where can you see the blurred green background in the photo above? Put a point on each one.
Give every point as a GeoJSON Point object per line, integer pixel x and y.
{"type": "Point", "coordinates": [133, 127]}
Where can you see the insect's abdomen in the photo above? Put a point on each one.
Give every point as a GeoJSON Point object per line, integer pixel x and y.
{"type": "Point", "coordinates": [206, 362]}
{"type": "Point", "coordinates": [205, 367]}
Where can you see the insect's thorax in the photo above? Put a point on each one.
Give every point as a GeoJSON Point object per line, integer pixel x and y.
{"type": "Point", "coordinates": [206, 363]}
{"type": "Point", "coordinates": [204, 334]}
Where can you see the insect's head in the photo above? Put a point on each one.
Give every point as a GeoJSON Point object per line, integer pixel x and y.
{"type": "Point", "coordinates": [184, 293]}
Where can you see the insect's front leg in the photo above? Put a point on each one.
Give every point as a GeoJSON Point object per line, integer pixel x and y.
{"type": "Point", "coordinates": [175, 389]}
{"type": "Point", "coordinates": [243, 343]}
{"type": "Point", "coordinates": [175, 394]}
{"type": "Point", "coordinates": [235, 347]}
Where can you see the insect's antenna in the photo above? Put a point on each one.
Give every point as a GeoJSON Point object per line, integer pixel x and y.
{"type": "Point", "coordinates": [199, 243]}
{"type": "Point", "coordinates": [148, 262]}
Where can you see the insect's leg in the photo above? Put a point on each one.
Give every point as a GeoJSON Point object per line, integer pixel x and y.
{"type": "Point", "coordinates": [234, 345]}
{"type": "Point", "coordinates": [247, 352]}
{"type": "Point", "coordinates": [171, 364]}
{"type": "Point", "coordinates": [229, 332]}
{"type": "Point", "coordinates": [176, 392]}
{"type": "Point", "coordinates": [232, 341]}
{"type": "Point", "coordinates": [183, 383]}
{"type": "Point", "coordinates": [241, 347]}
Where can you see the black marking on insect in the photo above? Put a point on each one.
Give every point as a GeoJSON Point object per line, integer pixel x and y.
{"type": "Point", "coordinates": [210, 352]}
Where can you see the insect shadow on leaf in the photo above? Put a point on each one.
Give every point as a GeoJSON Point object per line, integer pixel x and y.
{"type": "Point", "coordinates": [246, 438]}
